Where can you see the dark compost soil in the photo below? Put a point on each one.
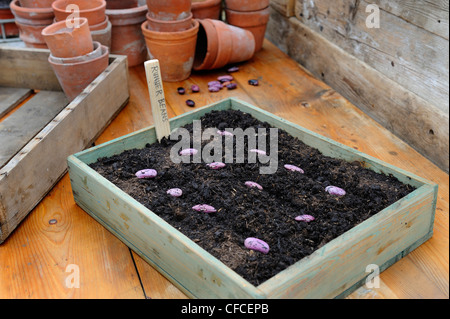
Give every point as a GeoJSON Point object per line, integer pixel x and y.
{"type": "Point", "coordinates": [243, 212]}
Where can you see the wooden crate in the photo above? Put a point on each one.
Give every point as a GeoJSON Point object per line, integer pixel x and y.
{"type": "Point", "coordinates": [36, 139]}
{"type": "Point", "coordinates": [334, 270]}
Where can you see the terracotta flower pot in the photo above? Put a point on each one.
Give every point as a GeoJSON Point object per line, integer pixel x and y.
{"type": "Point", "coordinates": [32, 35]}
{"type": "Point", "coordinates": [169, 26]}
{"type": "Point", "coordinates": [174, 50]}
{"type": "Point", "coordinates": [32, 16]}
{"type": "Point", "coordinates": [36, 3]}
{"type": "Point", "coordinates": [169, 10]}
{"type": "Point", "coordinates": [127, 38]}
{"type": "Point", "coordinates": [95, 53]}
{"type": "Point", "coordinates": [121, 4]}
{"type": "Point", "coordinates": [206, 9]}
{"type": "Point", "coordinates": [254, 21]}
{"type": "Point", "coordinates": [220, 44]}
{"type": "Point", "coordinates": [246, 5]}
{"type": "Point", "coordinates": [75, 77]}
{"type": "Point", "coordinates": [11, 29]}
{"type": "Point", "coordinates": [65, 42]}
{"type": "Point", "coordinates": [93, 10]}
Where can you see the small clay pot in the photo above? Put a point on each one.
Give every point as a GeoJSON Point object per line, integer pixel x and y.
{"type": "Point", "coordinates": [75, 77]}
{"type": "Point", "coordinates": [174, 50]}
{"type": "Point", "coordinates": [169, 26]}
{"type": "Point", "coordinates": [32, 16]}
{"type": "Point", "coordinates": [169, 10]}
{"type": "Point", "coordinates": [121, 4]}
{"type": "Point", "coordinates": [246, 5]}
{"type": "Point", "coordinates": [36, 3]}
{"type": "Point", "coordinates": [127, 38]}
{"type": "Point", "coordinates": [206, 9]}
{"type": "Point", "coordinates": [97, 52]}
{"type": "Point", "coordinates": [93, 10]}
{"type": "Point", "coordinates": [253, 21]}
{"type": "Point", "coordinates": [220, 44]}
{"type": "Point", "coordinates": [67, 42]}
{"type": "Point", "coordinates": [11, 29]}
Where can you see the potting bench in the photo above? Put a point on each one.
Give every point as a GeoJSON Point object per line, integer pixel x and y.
{"type": "Point", "coordinates": [58, 243]}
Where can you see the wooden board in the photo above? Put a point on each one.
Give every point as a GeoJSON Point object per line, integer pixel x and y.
{"type": "Point", "coordinates": [10, 98]}
{"type": "Point", "coordinates": [165, 248]}
{"type": "Point", "coordinates": [415, 120]}
{"type": "Point", "coordinates": [19, 128]}
{"type": "Point", "coordinates": [407, 54]}
{"type": "Point", "coordinates": [43, 158]}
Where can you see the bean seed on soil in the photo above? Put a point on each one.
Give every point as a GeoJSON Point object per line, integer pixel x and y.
{"type": "Point", "coordinates": [216, 165]}
{"type": "Point", "coordinates": [257, 244]}
{"type": "Point", "coordinates": [334, 190]}
{"type": "Point", "coordinates": [175, 192]}
{"type": "Point", "coordinates": [204, 208]}
{"type": "Point", "coordinates": [293, 168]}
{"type": "Point", "coordinates": [253, 185]}
{"type": "Point", "coordinates": [305, 218]}
{"type": "Point", "coordinates": [147, 173]}
{"type": "Point", "coordinates": [188, 151]}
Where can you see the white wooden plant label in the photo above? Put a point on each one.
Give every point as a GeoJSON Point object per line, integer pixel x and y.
{"type": "Point", "coordinates": [157, 99]}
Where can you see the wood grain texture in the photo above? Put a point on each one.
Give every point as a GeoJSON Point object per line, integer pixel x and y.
{"type": "Point", "coordinates": [410, 117]}
{"type": "Point", "coordinates": [10, 98]}
{"type": "Point", "coordinates": [405, 53]}
{"type": "Point", "coordinates": [286, 89]}
{"type": "Point", "coordinates": [285, 7]}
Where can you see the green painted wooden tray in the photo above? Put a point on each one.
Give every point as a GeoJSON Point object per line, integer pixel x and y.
{"type": "Point", "coordinates": [335, 270]}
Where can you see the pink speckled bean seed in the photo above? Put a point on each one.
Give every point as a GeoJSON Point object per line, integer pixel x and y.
{"type": "Point", "coordinates": [214, 83]}
{"type": "Point", "coordinates": [204, 208]}
{"type": "Point", "coordinates": [293, 168]}
{"type": "Point", "coordinates": [259, 152]}
{"type": "Point", "coordinates": [333, 190]}
{"type": "Point", "coordinates": [225, 78]}
{"type": "Point", "coordinates": [257, 244]}
{"type": "Point", "coordinates": [253, 185]}
{"type": "Point", "coordinates": [225, 133]}
{"type": "Point", "coordinates": [305, 218]}
{"type": "Point", "coordinates": [175, 192]}
{"type": "Point", "coordinates": [188, 151]}
{"type": "Point", "coordinates": [216, 165]}
{"type": "Point", "coordinates": [147, 173]}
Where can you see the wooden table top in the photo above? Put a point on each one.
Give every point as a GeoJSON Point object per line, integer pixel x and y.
{"type": "Point", "coordinates": [59, 242]}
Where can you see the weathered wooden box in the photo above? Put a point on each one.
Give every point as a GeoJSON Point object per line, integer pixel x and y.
{"type": "Point", "coordinates": [334, 270]}
{"type": "Point", "coordinates": [33, 162]}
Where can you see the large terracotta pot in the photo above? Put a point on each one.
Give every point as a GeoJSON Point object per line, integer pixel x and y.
{"type": "Point", "coordinates": [75, 77]}
{"type": "Point", "coordinates": [174, 50]}
{"type": "Point", "coordinates": [31, 35]}
{"type": "Point", "coordinates": [93, 10]}
{"type": "Point", "coordinates": [206, 9]}
{"type": "Point", "coordinates": [36, 3]}
{"type": "Point", "coordinates": [253, 21]}
{"type": "Point", "coordinates": [220, 44]}
{"type": "Point", "coordinates": [169, 9]}
{"type": "Point", "coordinates": [127, 38]}
{"type": "Point", "coordinates": [246, 5]}
{"type": "Point", "coordinates": [34, 16]}
{"type": "Point", "coordinates": [65, 42]}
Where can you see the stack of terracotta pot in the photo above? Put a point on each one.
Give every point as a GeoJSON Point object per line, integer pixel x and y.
{"type": "Point", "coordinates": [76, 59]}
{"type": "Point", "coordinates": [171, 35]}
{"type": "Point", "coordinates": [93, 10]}
{"type": "Point", "coordinates": [252, 15]}
{"type": "Point", "coordinates": [126, 17]}
{"type": "Point", "coordinates": [32, 16]}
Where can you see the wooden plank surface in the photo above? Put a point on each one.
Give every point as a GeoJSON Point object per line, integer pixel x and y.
{"type": "Point", "coordinates": [286, 90]}
{"type": "Point", "coordinates": [405, 53]}
{"type": "Point", "coordinates": [11, 97]}
{"type": "Point", "coordinates": [19, 128]}
{"type": "Point", "coordinates": [412, 118]}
